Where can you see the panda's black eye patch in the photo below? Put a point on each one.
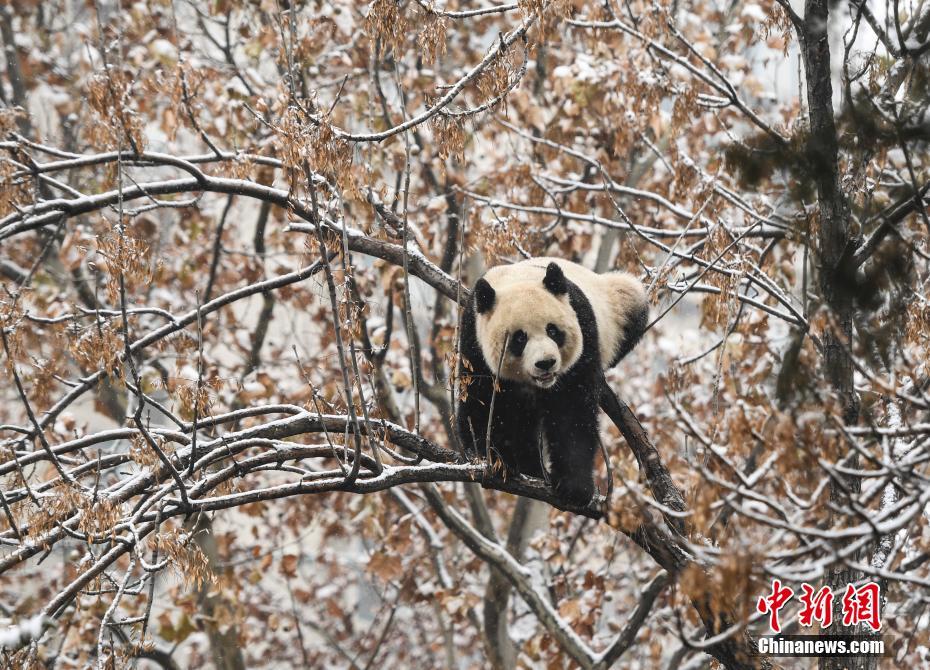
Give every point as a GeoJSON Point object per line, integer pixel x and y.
{"type": "Point", "coordinates": [557, 335]}
{"type": "Point", "coordinates": [517, 343]}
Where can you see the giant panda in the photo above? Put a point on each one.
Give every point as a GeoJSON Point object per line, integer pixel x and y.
{"type": "Point", "coordinates": [545, 329]}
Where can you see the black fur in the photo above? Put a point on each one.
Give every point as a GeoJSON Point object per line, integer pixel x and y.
{"type": "Point", "coordinates": [557, 335]}
{"type": "Point", "coordinates": [564, 415]}
{"type": "Point", "coordinates": [517, 343]}
{"type": "Point", "coordinates": [555, 279]}
{"type": "Point", "coordinates": [484, 296]}
{"type": "Point", "coordinates": [632, 333]}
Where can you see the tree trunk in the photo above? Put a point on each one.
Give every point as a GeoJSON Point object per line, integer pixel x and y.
{"type": "Point", "coordinates": [528, 515]}
{"type": "Point", "coordinates": [221, 632]}
{"type": "Point", "coordinates": [835, 247]}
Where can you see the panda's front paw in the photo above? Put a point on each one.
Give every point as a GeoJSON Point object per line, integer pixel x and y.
{"type": "Point", "coordinates": [576, 491]}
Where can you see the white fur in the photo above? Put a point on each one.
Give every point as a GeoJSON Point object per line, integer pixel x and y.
{"type": "Point", "coordinates": [523, 303]}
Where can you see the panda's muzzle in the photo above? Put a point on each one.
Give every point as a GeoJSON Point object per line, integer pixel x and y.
{"type": "Point", "coordinates": [546, 376]}
{"type": "Point", "coordinates": [545, 364]}
{"type": "Point", "coordinates": [545, 380]}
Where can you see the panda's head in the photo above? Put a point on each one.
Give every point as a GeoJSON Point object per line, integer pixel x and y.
{"type": "Point", "coordinates": [527, 327]}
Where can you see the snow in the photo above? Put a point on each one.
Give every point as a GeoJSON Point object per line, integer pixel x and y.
{"type": "Point", "coordinates": [253, 387]}
{"type": "Point", "coordinates": [20, 633]}
{"type": "Point", "coordinates": [585, 69]}
{"type": "Point", "coordinates": [163, 49]}
{"type": "Point", "coordinates": [187, 372]}
{"type": "Point", "coordinates": [754, 12]}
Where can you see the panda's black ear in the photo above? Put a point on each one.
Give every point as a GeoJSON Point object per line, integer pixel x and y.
{"type": "Point", "coordinates": [484, 296]}
{"type": "Point", "coordinates": [555, 280]}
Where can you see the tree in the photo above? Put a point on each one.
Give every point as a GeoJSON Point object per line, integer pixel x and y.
{"type": "Point", "coordinates": [236, 241]}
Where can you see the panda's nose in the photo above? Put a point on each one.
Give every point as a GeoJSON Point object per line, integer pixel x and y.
{"type": "Point", "coordinates": [545, 364]}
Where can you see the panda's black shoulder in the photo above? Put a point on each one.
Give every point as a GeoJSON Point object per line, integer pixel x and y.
{"type": "Point", "coordinates": [469, 346]}
{"type": "Point", "coordinates": [584, 313]}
